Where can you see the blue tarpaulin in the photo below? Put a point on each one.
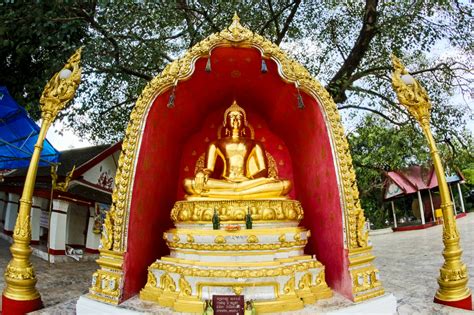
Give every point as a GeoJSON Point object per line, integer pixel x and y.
{"type": "Point", "coordinates": [18, 136]}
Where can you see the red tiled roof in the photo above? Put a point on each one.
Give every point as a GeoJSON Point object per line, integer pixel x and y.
{"type": "Point", "coordinates": [412, 179]}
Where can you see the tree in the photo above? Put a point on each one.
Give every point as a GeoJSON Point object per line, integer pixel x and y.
{"type": "Point", "coordinates": [35, 41]}
{"type": "Point", "coordinates": [378, 146]}
{"type": "Point", "coordinates": [127, 44]}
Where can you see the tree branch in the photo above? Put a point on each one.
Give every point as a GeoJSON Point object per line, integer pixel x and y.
{"type": "Point", "coordinates": [129, 100]}
{"type": "Point", "coordinates": [339, 83]}
{"type": "Point", "coordinates": [288, 21]}
{"type": "Point", "coordinates": [116, 52]}
{"type": "Point", "coordinates": [274, 18]}
{"type": "Point", "coordinates": [183, 5]}
{"type": "Point", "coordinates": [373, 111]}
{"type": "Point", "coordinates": [124, 70]}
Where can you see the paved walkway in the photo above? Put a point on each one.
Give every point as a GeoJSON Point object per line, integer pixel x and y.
{"type": "Point", "coordinates": [409, 263]}
{"type": "Point", "coordinates": [56, 282]}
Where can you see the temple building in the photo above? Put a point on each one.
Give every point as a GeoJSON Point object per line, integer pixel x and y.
{"type": "Point", "coordinates": [73, 212]}
{"type": "Point", "coordinates": [415, 188]}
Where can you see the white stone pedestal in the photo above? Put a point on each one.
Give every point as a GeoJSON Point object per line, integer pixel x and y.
{"type": "Point", "coordinates": [385, 304]}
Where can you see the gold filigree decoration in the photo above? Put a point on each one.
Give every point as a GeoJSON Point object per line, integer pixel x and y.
{"type": "Point", "coordinates": [413, 96]}
{"type": "Point", "coordinates": [22, 229]}
{"type": "Point", "coordinates": [60, 90]}
{"type": "Point", "coordinates": [20, 273]}
{"type": "Point", "coordinates": [232, 247]}
{"type": "Point", "coordinates": [305, 281]}
{"type": "Point", "coordinates": [320, 278]}
{"type": "Point", "coordinates": [151, 280]}
{"type": "Point", "coordinates": [297, 236]}
{"type": "Point", "coordinates": [200, 163]}
{"type": "Point", "coordinates": [241, 273]}
{"type": "Point", "coordinates": [237, 290]}
{"type": "Point", "coordinates": [235, 210]}
{"type": "Point", "coordinates": [106, 286]}
{"type": "Point", "coordinates": [220, 239]}
{"type": "Point", "coordinates": [289, 287]}
{"type": "Point", "coordinates": [282, 238]}
{"type": "Point", "coordinates": [184, 287]}
{"type": "Point", "coordinates": [167, 283]}
{"type": "Point", "coordinates": [107, 237]}
{"type": "Point", "coordinates": [176, 238]}
{"type": "Point", "coordinates": [252, 239]}
{"type": "Point", "coordinates": [272, 167]}
{"type": "Point", "coordinates": [453, 274]}
{"type": "Point", "coordinates": [63, 186]}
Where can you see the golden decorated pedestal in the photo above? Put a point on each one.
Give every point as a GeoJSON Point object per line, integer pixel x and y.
{"type": "Point", "coordinates": [265, 263]}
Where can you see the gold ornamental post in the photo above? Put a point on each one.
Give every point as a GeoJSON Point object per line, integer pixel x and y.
{"type": "Point", "coordinates": [453, 289]}
{"type": "Point", "coordinates": [20, 294]}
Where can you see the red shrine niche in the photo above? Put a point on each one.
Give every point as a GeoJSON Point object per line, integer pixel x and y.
{"type": "Point", "coordinates": [298, 138]}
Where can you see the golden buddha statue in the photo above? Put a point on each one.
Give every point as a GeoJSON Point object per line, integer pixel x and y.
{"type": "Point", "coordinates": [245, 172]}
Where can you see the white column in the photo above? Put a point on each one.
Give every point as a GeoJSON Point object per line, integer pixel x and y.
{"type": "Point", "coordinates": [422, 209]}
{"type": "Point", "coordinates": [432, 206]}
{"type": "Point", "coordinates": [460, 198]}
{"type": "Point", "coordinates": [11, 212]}
{"type": "Point", "coordinates": [394, 215]}
{"type": "Point", "coordinates": [35, 219]}
{"type": "Point", "coordinates": [454, 201]}
{"type": "Point", "coordinates": [57, 230]}
{"type": "Point", "coordinates": [3, 204]}
{"type": "Point", "coordinates": [93, 239]}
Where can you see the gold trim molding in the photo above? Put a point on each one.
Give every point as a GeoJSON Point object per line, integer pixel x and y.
{"type": "Point", "coordinates": [235, 210]}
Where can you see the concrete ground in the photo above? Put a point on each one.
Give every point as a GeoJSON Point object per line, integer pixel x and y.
{"type": "Point", "coordinates": [56, 282]}
{"type": "Point", "coordinates": [409, 263]}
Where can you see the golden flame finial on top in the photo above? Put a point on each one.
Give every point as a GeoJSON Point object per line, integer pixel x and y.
{"type": "Point", "coordinates": [61, 87]}
{"type": "Point", "coordinates": [398, 65]}
{"type": "Point", "coordinates": [235, 108]}
{"type": "Point", "coordinates": [411, 95]}
{"type": "Point", "coordinates": [235, 22]}
{"type": "Point", "coordinates": [235, 18]}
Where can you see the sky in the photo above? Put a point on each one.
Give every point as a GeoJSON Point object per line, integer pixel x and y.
{"type": "Point", "coordinates": [68, 140]}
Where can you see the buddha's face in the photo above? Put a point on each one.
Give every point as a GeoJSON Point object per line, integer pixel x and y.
{"type": "Point", "coordinates": [235, 120]}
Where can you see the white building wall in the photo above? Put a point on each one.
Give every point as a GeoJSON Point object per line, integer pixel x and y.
{"type": "Point", "coordinates": [57, 233]}
{"type": "Point", "coordinates": [35, 215]}
{"type": "Point", "coordinates": [76, 224]}
{"type": "Point", "coordinates": [103, 173]}
{"type": "Point", "coordinates": [93, 239]}
{"type": "Point", "coordinates": [11, 212]}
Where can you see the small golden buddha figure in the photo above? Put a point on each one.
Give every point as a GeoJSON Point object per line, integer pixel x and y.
{"type": "Point", "coordinates": [245, 172]}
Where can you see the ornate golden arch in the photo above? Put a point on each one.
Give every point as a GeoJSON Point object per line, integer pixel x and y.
{"type": "Point", "coordinates": [114, 238]}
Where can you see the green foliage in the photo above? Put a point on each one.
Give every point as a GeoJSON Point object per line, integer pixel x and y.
{"type": "Point", "coordinates": [128, 43]}
{"type": "Point", "coordinates": [468, 172]}
{"type": "Point", "coordinates": [36, 39]}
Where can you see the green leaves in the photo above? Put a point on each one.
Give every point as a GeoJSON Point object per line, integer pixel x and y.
{"type": "Point", "coordinates": [126, 44]}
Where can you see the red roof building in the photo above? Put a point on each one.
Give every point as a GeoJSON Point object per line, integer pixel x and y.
{"type": "Point", "coordinates": [421, 181]}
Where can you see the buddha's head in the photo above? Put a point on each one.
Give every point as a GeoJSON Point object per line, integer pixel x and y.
{"type": "Point", "coordinates": [235, 117]}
